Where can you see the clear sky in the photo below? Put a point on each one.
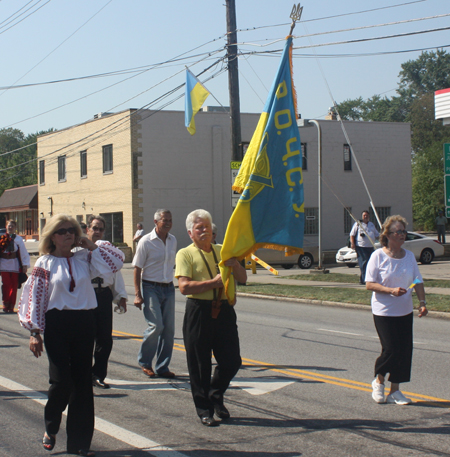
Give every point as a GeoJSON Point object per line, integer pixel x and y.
{"type": "Point", "coordinates": [51, 40]}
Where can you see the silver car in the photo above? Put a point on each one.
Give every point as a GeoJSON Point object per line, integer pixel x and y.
{"type": "Point", "coordinates": [425, 249]}
{"type": "Point", "coordinates": [304, 261]}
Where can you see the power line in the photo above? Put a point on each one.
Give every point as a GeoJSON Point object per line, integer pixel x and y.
{"type": "Point", "coordinates": [48, 1]}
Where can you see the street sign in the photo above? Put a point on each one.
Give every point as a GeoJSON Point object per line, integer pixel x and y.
{"type": "Point", "coordinates": [446, 158]}
{"type": "Point", "coordinates": [447, 190]}
{"type": "Point", "coordinates": [234, 172]}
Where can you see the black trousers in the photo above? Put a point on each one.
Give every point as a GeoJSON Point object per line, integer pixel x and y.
{"type": "Point", "coordinates": [103, 333]}
{"type": "Point", "coordinates": [204, 335]}
{"type": "Point", "coordinates": [396, 338]}
{"type": "Point", "coordinates": [69, 342]}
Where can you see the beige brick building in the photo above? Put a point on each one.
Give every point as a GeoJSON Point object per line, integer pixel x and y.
{"type": "Point", "coordinates": [126, 165]}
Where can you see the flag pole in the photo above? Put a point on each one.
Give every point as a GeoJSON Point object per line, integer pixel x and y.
{"type": "Point", "coordinates": [296, 14]}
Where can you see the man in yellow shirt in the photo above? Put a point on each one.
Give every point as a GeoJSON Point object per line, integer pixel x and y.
{"type": "Point", "coordinates": [209, 322]}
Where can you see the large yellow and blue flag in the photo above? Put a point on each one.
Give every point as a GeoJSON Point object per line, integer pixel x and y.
{"type": "Point", "coordinates": [270, 211]}
{"type": "Point", "coordinates": [196, 94]}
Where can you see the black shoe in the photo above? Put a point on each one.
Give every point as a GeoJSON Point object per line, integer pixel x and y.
{"type": "Point", "coordinates": [221, 411]}
{"type": "Point", "coordinates": [97, 383]}
{"type": "Point", "coordinates": [209, 421]}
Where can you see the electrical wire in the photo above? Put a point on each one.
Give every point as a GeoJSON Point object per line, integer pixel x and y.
{"type": "Point", "coordinates": [48, 1]}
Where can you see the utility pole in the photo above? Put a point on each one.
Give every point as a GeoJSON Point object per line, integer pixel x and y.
{"type": "Point", "coordinates": [233, 82]}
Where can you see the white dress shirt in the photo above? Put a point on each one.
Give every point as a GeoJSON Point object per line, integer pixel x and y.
{"type": "Point", "coordinates": [155, 257]}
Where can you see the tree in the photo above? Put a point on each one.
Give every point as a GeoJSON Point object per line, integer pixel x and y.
{"type": "Point", "coordinates": [419, 79]}
{"type": "Point", "coordinates": [18, 162]}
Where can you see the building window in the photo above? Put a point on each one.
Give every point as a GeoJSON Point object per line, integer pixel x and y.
{"type": "Point", "coordinates": [61, 168]}
{"type": "Point", "coordinates": [41, 172]}
{"type": "Point", "coordinates": [383, 213]}
{"type": "Point", "coordinates": [304, 157]}
{"type": "Point", "coordinates": [83, 164]}
{"type": "Point", "coordinates": [108, 159]}
{"type": "Point", "coordinates": [348, 221]}
{"type": "Point", "coordinates": [311, 221]}
{"type": "Point", "coordinates": [347, 158]}
{"type": "Point", "coordinates": [114, 227]}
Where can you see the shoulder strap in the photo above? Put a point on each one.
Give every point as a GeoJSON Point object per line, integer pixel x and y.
{"type": "Point", "coordinates": [209, 269]}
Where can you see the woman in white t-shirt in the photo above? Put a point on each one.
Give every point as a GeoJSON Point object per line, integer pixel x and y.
{"type": "Point", "coordinates": [391, 274]}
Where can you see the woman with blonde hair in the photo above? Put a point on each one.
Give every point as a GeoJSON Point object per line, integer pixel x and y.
{"type": "Point", "coordinates": [58, 302]}
{"type": "Point", "coordinates": [13, 260]}
{"type": "Point", "coordinates": [392, 273]}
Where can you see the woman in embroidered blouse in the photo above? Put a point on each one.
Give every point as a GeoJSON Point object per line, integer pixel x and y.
{"type": "Point", "coordinates": [10, 268]}
{"type": "Point", "coordinates": [391, 274]}
{"type": "Point", "coordinates": [57, 301]}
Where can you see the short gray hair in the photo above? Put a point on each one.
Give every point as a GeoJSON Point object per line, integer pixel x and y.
{"type": "Point", "coordinates": [198, 213]}
{"type": "Point", "coordinates": [159, 213]}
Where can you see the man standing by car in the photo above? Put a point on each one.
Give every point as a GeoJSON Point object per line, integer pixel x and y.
{"type": "Point", "coordinates": [362, 237]}
{"type": "Point", "coordinates": [154, 261]}
{"type": "Point", "coordinates": [441, 222]}
{"type": "Point", "coordinates": [105, 293]}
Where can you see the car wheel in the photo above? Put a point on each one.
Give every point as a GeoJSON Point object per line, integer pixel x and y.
{"type": "Point", "coordinates": [287, 266]}
{"type": "Point", "coordinates": [351, 265]}
{"type": "Point", "coordinates": [426, 256]}
{"type": "Point", "coordinates": [305, 261]}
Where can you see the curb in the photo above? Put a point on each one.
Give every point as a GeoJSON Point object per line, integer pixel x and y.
{"type": "Point", "coordinates": [431, 314]}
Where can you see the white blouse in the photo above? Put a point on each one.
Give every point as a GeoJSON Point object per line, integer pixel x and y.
{"type": "Point", "coordinates": [65, 283]}
{"type": "Point", "coordinates": [390, 272]}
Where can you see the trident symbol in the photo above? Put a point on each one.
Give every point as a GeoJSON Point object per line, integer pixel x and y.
{"type": "Point", "coordinates": [296, 14]}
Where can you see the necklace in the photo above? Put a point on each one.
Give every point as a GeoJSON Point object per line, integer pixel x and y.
{"type": "Point", "coordinates": [396, 255]}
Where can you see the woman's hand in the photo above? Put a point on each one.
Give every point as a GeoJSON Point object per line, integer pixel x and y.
{"type": "Point", "coordinates": [398, 291]}
{"type": "Point", "coordinates": [36, 346]}
{"type": "Point", "coordinates": [423, 311]}
{"type": "Point", "coordinates": [86, 243]}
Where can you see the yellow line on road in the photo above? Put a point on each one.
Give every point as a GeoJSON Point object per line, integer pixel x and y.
{"type": "Point", "coordinates": [295, 372]}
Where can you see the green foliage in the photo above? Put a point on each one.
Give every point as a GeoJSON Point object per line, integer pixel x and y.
{"type": "Point", "coordinates": [18, 167]}
{"type": "Point", "coordinates": [419, 79]}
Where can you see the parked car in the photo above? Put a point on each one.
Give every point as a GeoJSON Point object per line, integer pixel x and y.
{"type": "Point", "coordinates": [304, 261]}
{"type": "Point", "coordinates": [425, 249]}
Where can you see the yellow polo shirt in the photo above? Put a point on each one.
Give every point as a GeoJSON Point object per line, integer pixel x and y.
{"type": "Point", "coordinates": [189, 263]}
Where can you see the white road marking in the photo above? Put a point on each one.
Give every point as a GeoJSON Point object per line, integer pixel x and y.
{"type": "Point", "coordinates": [119, 433]}
{"type": "Point", "coordinates": [253, 386]}
{"type": "Point", "coordinates": [259, 386]}
{"type": "Point", "coordinates": [337, 331]}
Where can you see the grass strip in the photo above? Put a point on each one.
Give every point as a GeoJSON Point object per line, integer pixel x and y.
{"type": "Point", "coordinates": [436, 302]}
{"type": "Point", "coordinates": [354, 279]}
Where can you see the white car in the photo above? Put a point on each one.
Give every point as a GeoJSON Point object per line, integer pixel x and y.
{"type": "Point", "coordinates": [425, 249]}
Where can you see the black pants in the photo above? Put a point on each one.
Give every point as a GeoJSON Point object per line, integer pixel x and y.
{"type": "Point", "coordinates": [396, 338]}
{"type": "Point", "coordinates": [202, 335]}
{"type": "Point", "coordinates": [69, 341]}
{"type": "Point", "coordinates": [103, 334]}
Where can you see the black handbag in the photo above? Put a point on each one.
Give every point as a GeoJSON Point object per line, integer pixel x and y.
{"type": "Point", "coordinates": [22, 276]}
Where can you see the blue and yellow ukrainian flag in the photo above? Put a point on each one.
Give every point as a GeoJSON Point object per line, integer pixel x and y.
{"type": "Point", "coordinates": [196, 94]}
{"type": "Point", "coordinates": [270, 211]}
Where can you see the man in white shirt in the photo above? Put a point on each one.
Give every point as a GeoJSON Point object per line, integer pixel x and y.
{"type": "Point", "coordinates": [139, 233]}
{"type": "Point", "coordinates": [106, 293]}
{"type": "Point", "coordinates": [153, 263]}
{"type": "Point", "coordinates": [360, 242]}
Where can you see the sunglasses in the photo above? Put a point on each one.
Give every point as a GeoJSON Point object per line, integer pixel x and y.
{"type": "Point", "coordinates": [399, 232]}
{"type": "Point", "coordinates": [98, 229]}
{"type": "Point", "coordinates": [63, 231]}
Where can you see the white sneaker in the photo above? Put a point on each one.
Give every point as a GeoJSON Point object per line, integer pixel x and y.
{"type": "Point", "coordinates": [398, 398]}
{"type": "Point", "coordinates": [378, 391]}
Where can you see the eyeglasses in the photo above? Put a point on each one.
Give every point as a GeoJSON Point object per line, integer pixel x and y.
{"type": "Point", "coordinates": [399, 232]}
{"type": "Point", "coordinates": [98, 229]}
{"type": "Point", "coordinates": [63, 231]}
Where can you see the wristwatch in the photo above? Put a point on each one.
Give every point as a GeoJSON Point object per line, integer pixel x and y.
{"type": "Point", "coordinates": [423, 301]}
{"type": "Point", "coordinates": [35, 334]}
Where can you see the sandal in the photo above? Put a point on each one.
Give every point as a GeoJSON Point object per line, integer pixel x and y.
{"type": "Point", "coordinates": [48, 442]}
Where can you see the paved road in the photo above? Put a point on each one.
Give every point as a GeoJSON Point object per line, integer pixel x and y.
{"type": "Point", "coordinates": [303, 390]}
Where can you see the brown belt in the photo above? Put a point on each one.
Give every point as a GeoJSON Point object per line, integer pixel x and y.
{"type": "Point", "coordinates": [9, 255]}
